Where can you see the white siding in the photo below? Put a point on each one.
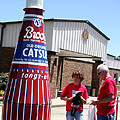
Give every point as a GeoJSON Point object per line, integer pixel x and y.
{"type": "Point", "coordinates": [68, 36]}
{"type": "Point", "coordinates": [112, 63]}
{"type": "Point", "coordinates": [0, 32]}
{"type": "Point", "coordinates": [65, 35]}
{"type": "Point", "coordinates": [10, 36]}
{"type": "Point", "coordinates": [48, 26]}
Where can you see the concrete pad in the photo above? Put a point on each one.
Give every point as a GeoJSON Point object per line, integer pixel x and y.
{"type": "Point", "coordinates": [58, 109]}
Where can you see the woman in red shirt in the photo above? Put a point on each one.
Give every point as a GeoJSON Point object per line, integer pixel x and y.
{"type": "Point", "coordinates": [70, 91]}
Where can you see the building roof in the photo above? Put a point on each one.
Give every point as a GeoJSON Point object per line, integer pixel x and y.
{"type": "Point", "coordinates": [114, 57]}
{"type": "Point", "coordinates": [11, 22]}
{"type": "Point", "coordinates": [111, 55]}
{"type": "Point", "coordinates": [76, 20]}
{"type": "Point", "coordinates": [68, 20]}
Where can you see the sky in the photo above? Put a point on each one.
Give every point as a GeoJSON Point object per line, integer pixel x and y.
{"type": "Point", "coordinates": [104, 14]}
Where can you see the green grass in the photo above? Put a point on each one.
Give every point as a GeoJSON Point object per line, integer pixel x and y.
{"type": "Point", "coordinates": [1, 102]}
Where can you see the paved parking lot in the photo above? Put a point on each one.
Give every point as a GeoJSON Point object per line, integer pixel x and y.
{"type": "Point", "coordinates": [59, 113]}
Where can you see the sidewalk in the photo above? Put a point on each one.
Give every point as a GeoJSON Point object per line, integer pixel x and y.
{"type": "Point", "coordinates": [58, 103]}
{"type": "Point", "coordinates": [0, 111]}
{"type": "Point", "coordinates": [58, 111]}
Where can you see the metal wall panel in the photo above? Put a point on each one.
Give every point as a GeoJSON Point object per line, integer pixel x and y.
{"type": "Point", "coordinates": [48, 26]}
{"type": "Point", "coordinates": [0, 31]}
{"type": "Point", "coordinates": [11, 33]}
{"type": "Point", "coordinates": [68, 36]}
{"type": "Point", "coordinates": [65, 36]}
{"type": "Point", "coordinates": [112, 63]}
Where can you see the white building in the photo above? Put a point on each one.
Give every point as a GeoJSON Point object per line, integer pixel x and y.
{"type": "Point", "coordinates": [71, 45]}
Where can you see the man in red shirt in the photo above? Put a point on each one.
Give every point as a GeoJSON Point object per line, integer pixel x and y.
{"type": "Point", "coordinates": [69, 93]}
{"type": "Point", "coordinates": [107, 95]}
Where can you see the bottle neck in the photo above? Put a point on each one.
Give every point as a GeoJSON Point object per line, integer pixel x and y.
{"type": "Point", "coordinates": [33, 11]}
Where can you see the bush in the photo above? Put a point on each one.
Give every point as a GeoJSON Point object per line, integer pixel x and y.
{"type": "Point", "coordinates": [3, 80]}
{"type": "Point", "coordinates": [1, 92]}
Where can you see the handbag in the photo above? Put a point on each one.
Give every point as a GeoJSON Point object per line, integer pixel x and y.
{"type": "Point", "coordinates": [92, 115]}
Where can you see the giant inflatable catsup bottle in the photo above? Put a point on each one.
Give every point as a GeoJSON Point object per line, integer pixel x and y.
{"type": "Point", "coordinates": [27, 95]}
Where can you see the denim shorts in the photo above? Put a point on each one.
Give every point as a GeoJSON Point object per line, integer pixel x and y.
{"type": "Point", "coordinates": [78, 115]}
{"type": "Point", "coordinates": [106, 117]}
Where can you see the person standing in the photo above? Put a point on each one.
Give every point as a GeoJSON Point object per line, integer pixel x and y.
{"type": "Point", "coordinates": [69, 93]}
{"type": "Point", "coordinates": [107, 95]}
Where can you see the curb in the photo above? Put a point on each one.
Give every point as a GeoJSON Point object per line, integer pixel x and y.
{"type": "Point", "coordinates": [57, 106]}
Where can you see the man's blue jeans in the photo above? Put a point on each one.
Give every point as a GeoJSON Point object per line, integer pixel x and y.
{"type": "Point", "coordinates": [106, 117]}
{"type": "Point", "coordinates": [78, 115]}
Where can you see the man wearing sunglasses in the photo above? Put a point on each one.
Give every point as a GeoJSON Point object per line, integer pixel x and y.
{"type": "Point", "coordinates": [107, 95]}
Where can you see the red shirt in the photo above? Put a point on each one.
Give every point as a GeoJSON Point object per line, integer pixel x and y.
{"type": "Point", "coordinates": [108, 87]}
{"type": "Point", "coordinates": [71, 89]}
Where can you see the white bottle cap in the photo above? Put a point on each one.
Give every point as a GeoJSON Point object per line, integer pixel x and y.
{"type": "Point", "coordinates": [34, 4]}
